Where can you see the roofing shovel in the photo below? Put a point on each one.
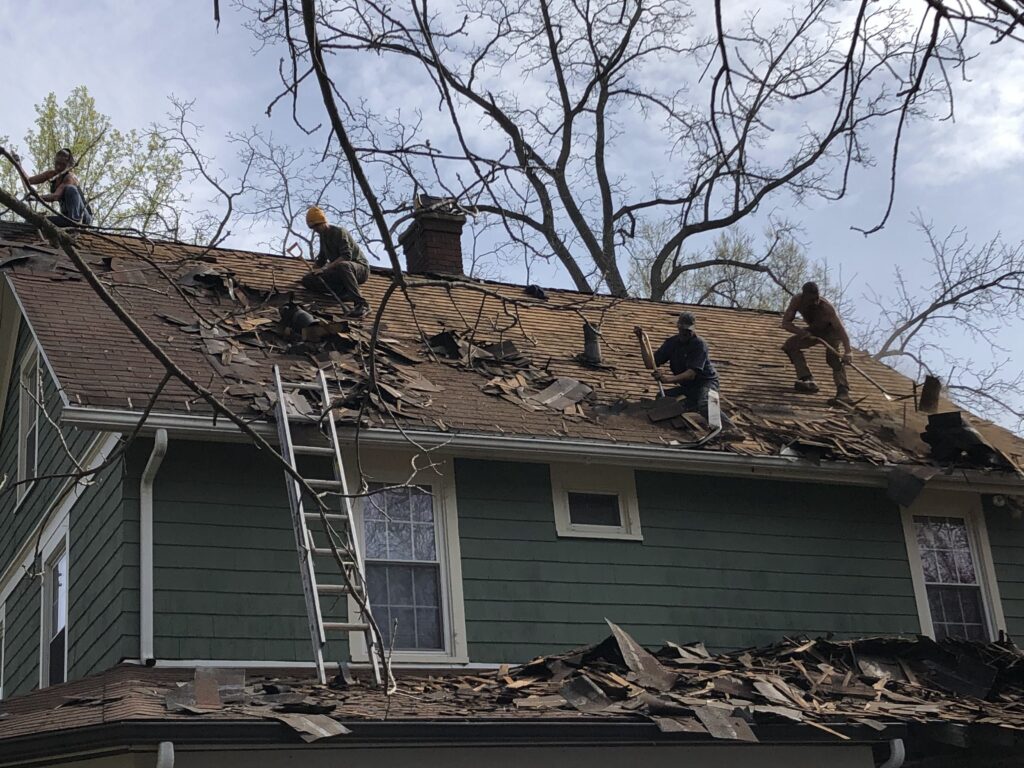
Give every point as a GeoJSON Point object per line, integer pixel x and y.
{"type": "Point", "coordinates": [888, 396]}
{"type": "Point", "coordinates": [647, 354]}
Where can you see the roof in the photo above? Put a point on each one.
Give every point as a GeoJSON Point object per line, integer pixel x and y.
{"type": "Point", "coordinates": [506, 362]}
{"type": "Point", "coordinates": [797, 690]}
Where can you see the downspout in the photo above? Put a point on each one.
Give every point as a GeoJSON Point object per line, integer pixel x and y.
{"type": "Point", "coordinates": [897, 754]}
{"type": "Point", "coordinates": [165, 752]}
{"type": "Point", "coordinates": [146, 548]}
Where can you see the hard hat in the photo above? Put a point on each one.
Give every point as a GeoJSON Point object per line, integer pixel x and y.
{"type": "Point", "coordinates": [315, 216]}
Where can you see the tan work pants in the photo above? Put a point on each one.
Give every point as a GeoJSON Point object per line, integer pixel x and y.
{"type": "Point", "coordinates": [795, 346]}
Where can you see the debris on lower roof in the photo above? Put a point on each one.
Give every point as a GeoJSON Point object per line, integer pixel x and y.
{"type": "Point", "coordinates": [953, 440]}
{"type": "Point", "coordinates": [681, 688]}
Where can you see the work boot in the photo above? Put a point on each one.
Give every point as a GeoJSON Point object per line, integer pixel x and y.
{"type": "Point", "coordinates": [806, 385]}
{"type": "Point", "coordinates": [359, 310]}
{"type": "Point", "coordinates": [843, 396]}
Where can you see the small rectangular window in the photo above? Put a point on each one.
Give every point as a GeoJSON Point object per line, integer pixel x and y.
{"type": "Point", "coordinates": [403, 571]}
{"type": "Point", "coordinates": [595, 502]}
{"type": "Point", "coordinates": [950, 578]}
{"type": "Point", "coordinates": [57, 619]}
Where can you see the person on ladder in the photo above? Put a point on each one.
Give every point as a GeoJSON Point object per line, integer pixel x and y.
{"type": "Point", "coordinates": [341, 266]}
{"type": "Point", "coordinates": [65, 189]}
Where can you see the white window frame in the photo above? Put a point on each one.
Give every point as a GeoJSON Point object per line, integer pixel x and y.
{"type": "Point", "coordinates": [58, 544]}
{"type": "Point", "coordinates": [27, 468]}
{"type": "Point", "coordinates": [587, 478]}
{"type": "Point", "coordinates": [966, 506]}
{"type": "Point", "coordinates": [440, 479]}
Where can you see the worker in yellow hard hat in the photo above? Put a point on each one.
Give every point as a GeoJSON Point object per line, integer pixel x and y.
{"type": "Point", "coordinates": [341, 266]}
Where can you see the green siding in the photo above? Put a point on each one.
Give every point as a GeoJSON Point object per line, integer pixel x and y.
{"type": "Point", "coordinates": [103, 595]}
{"type": "Point", "coordinates": [1006, 536]}
{"type": "Point", "coordinates": [730, 562]}
{"type": "Point", "coordinates": [226, 570]}
{"type": "Point", "coordinates": [103, 609]}
{"type": "Point", "coordinates": [21, 638]}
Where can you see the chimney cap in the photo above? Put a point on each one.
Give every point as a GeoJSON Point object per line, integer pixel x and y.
{"type": "Point", "coordinates": [424, 204]}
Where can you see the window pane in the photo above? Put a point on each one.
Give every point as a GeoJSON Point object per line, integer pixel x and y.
{"type": "Point", "coordinates": [423, 542]}
{"type": "Point", "coordinates": [59, 595]}
{"type": "Point", "coordinates": [410, 595]}
{"type": "Point", "coordinates": [422, 504]}
{"type": "Point", "coordinates": [594, 509]}
{"type": "Point", "coordinates": [376, 539]}
{"type": "Point", "coordinates": [957, 612]}
{"type": "Point", "coordinates": [399, 540]}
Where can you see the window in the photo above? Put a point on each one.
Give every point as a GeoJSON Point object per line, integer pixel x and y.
{"type": "Point", "coordinates": [950, 578]}
{"type": "Point", "coordinates": [951, 567]}
{"type": "Point", "coordinates": [403, 569]}
{"type": "Point", "coordinates": [29, 396]}
{"type": "Point", "coordinates": [55, 625]}
{"type": "Point", "coordinates": [595, 502]}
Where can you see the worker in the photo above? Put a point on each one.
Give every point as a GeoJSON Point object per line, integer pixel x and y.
{"type": "Point", "coordinates": [65, 190]}
{"type": "Point", "coordinates": [692, 373]}
{"type": "Point", "coordinates": [823, 325]}
{"type": "Point", "coordinates": [340, 265]}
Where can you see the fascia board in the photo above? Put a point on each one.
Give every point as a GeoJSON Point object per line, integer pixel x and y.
{"type": "Point", "coordinates": [538, 449]}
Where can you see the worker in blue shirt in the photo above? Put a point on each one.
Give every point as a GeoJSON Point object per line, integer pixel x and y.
{"type": "Point", "coordinates": [692, 373]}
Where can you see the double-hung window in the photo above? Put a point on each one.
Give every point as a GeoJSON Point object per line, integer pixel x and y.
{"type": "Point", "coordinates": [410, 543]}
{"type": "Point", "coordinates": [951, 580]}
{"type": "Point", "coordinates": [29, 397]}
{"type": "Point", "coordinates": [951, 566]}
{"type": "Point", "coordinates": [403, 569]}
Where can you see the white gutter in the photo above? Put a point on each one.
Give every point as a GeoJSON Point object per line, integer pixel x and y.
{"type": "Point", "coordinates": [667, 457]}
{"type": "Point", "coordinates": [146, 548]}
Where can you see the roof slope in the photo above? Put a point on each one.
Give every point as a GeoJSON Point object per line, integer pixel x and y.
{"type": "Point", "coordinates": [217, 313]}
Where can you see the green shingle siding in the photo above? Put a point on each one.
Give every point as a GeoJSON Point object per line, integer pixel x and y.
{"type": "Point", "coordinates": [731, 562]}
{"type": "Point", "coordinates": [103, 587]}
{"type": "Point", "coordinates": [1006, 536]}
{"type": "Point", "coordinates": [225, 567]}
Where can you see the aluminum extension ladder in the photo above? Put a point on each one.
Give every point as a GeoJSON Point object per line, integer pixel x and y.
{"type": "Point", "coordinates": [314, 531]}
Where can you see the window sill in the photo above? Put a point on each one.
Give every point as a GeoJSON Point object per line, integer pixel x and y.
{"type": "Point", "coordinates": [619, 534]}
{"type": "Point", "coordinates": [425, 659]}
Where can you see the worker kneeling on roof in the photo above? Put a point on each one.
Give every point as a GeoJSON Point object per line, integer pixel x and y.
{"type": "Point", "coordinates": [340, 265]}
{"type": "Point", "coordinates": [65, 190]}
{"type": "Point", "coordinates": [692, 372]}
{"type": "Point", "coordinates": [823, 325]}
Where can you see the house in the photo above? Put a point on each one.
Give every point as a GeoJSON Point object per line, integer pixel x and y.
{"type": "Point", "coordinates": [551, 491]}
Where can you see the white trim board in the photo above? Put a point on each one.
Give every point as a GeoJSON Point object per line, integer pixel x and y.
{"type": "Point", "coordinates": [968, 507]}
{"type": "Point", "coordinates": [545, 450]}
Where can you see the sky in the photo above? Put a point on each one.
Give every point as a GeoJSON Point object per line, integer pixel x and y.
{"type": "Point", "coordinates": [132, 56]}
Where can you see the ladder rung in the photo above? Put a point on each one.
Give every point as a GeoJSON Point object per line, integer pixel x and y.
{"type": "Point", "coordinates": [313, 450]}
{"type": "Point", "coordinates": [326, 552]}
{"type": "Point", "coordinates": [309, 387]}
{"type": "Point", "coordinates": [332, 484]}
{"type": "Point", "coordinates": [332, 589]}
{"type": "Point", "coordinates": [345, 626]}
{"type": "Point", "coordinates": [332, 517]}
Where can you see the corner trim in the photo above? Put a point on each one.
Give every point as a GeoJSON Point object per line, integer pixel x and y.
{"type": "Point", "coordinates": [146, 546]}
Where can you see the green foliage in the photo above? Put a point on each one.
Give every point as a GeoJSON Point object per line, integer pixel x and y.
{"type": "Point", "coordinates": [131, 179]}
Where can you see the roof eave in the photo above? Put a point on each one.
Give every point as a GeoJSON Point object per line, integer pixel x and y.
{"type": "Point", "coordinates": [531, 448]}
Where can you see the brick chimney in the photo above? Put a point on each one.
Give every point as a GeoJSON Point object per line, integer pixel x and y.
{"type": "Point", "coordinates": [433, 242]}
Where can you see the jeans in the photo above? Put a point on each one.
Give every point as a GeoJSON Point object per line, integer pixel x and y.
{"type": "Point", "coordinates": [696, 393]}
{"type": "Point", "coordinates": [794, 348]}
{"type": "Point", "coordinates": [340, 277]}
{"type": "Point", "coordinates": [73, 211]}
